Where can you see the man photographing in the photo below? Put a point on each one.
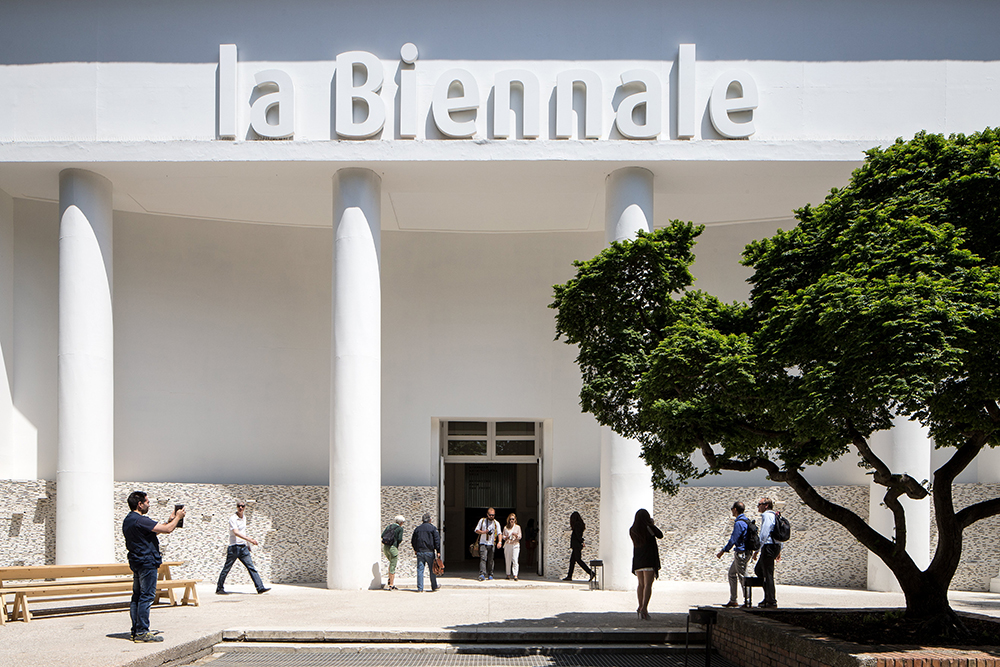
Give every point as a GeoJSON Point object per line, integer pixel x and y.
{"type": "Point", "coordinates": [144, 560]}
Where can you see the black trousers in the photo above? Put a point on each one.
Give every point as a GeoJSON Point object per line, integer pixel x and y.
{"type": "Point", "coordinates": [577, 557]}
{"type": "Point", "coordinates": [765, 570]}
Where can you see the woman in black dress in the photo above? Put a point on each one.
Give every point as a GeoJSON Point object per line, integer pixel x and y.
{"type": "Point", "coordinates": [576, 543]}
{"type": "Point", "coordinates": [645, 558]}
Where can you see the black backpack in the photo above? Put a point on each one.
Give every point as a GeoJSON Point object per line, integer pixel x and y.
{"type": "Point", "coordinates": [782, 529]}
{"type": "Point", "coordinates": [389, 535]}
{"type": "Point", "coordinates": [751, 538]}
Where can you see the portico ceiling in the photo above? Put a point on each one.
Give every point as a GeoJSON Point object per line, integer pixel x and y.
{"type": "Point", "coordinates": [460, 194]}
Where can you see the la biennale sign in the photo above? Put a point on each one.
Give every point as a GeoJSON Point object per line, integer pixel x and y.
{"type": "Point", "coordinates": [361, 101]}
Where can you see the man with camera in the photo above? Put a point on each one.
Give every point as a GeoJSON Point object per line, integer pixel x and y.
{"type": "Point", "coordinates": [144, 560]}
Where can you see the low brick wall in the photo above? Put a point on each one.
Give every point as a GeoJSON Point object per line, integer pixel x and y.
{"type": "Point", "coordinates": [752, 640]}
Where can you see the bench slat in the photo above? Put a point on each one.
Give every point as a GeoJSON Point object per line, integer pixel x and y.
{"type": "Point", "coordinates": [51, 583]}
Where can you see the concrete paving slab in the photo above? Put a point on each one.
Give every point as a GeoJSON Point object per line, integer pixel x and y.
{"type": "Point", "coordinates": [100, 638]}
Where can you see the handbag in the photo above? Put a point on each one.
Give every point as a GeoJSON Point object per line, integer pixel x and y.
{"type": "Point", "coordinates": [438, 566]}
{"type": "Point", "coordinates": [474, 549]}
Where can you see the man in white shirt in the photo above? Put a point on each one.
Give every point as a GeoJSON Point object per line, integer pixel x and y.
{"type": "Point", "coordinates": [239, 547]}
{"type": "Point", "coordinates": [488, 530]}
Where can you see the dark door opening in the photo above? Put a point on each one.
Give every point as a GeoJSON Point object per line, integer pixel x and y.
{"type": "Point", "coordinates": [471, 488]}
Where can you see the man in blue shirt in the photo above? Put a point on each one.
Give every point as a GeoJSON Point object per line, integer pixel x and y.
{"type": "Point", "coordinates": [737, 542]}
{"type": "Point", "coordinates": [769, 551]}
{"type": "Point", "coordinates": [144, 560]}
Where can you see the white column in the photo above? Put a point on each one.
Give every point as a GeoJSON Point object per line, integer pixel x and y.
{"type": "Point", "coordinates": [9, 468]}
{"type": "Point", "coordinates": [85, 463]}
{"type": "Point", "coordinates": [906, 448]}
{"type": "Point", "coordinates": [355, 397]}
{"type": "Point", "coordinates": [626, 481]}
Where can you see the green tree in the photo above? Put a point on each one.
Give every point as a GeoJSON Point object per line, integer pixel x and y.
{"type": "Point", "coordinates": [882, 303]}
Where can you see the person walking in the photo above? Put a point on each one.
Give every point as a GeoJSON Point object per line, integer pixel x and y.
{"type": "Point", "coordinates": [144, 560]}
{"type": "Point", "coordinates": [737, 542]}
{"type": "Point", "coordinates": [511, 545]}
{"type": "Point", "coordinates": [426, 543]}
{"type": "Point", "coordinates": [645, 558]}
{"type": "Point", "coordinates": [391, 537]}
{"type": "Point", "coordinates": [576, 545]}
{"type": "Point", "coordinates": [239, 548]}
{"type": "Point", "coordinates": [490, 538]}
{"type": "Point", "coordinates": [769, 552]}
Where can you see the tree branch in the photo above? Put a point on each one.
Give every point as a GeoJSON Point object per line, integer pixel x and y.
{"type": "Point", "coordinates": [889, 551]}
{"type": "Point", "coordinates": [883, 475]}
{"type": "Point", "coordinates": [974, 513]}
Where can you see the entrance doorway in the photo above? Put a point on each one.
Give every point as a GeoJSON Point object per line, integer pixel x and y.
{"type": "Point", "coordinates": [490, 463]}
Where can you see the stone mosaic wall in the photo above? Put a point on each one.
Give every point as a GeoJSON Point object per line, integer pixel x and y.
{"type": "Point", "coordinates": [27, 522]}
{"type": "Point", "coordinates": [291, 524]}
{"type": "Point", "coordinates": [697, 523]}
{"type": "Point", "coordinates": [411, 502]}
{"type": "Point", "coordinates": [559, 504]}
{"type": "Point", "coordinates": [980, 557]}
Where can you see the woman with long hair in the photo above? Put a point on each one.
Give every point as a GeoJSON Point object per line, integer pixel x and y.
{"type": "Point", "coordinates": [511, 545]}
{"type": "Point", "coordinates": [576, 544]}
{"type": "Point", "coordinates": [645, 558]}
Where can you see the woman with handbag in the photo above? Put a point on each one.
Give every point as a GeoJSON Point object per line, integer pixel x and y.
{"type": "Point", "coordinates": [511, 545]}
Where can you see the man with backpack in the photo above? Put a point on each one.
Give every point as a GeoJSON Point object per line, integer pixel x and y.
{"type": "Point", "coordinates": [391, 537]}
{"type": "Point", "coordinates": [770, 550]}
{"type": "Point", "coordinates": [743, 542]}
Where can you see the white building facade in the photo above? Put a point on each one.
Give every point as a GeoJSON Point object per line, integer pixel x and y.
{"type": "Point", "coordinates": [314, 246]}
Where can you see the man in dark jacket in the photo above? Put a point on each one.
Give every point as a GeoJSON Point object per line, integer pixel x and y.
{"type": "Point", "coordinates": [737, 542]}
{"type": "Point", "coordinates": [426, 543]}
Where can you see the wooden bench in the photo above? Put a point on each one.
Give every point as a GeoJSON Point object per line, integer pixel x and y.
{"type": "Point", "coordinates": [48, 583]}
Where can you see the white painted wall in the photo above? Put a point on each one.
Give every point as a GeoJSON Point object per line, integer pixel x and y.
{"type": "Point", "coordinates": [36, 336]}
{"type": "Point", "coordinates": [222, 346]}
{"type": "Point", "coordinates": [222, 351]}
{"type": "Point", "coordinates": [8, 455]}
{"type": "Point", "coordinates": [467, 333]}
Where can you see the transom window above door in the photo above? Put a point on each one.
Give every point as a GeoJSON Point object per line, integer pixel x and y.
{"type": "Point", "coordinates": [490, 440]}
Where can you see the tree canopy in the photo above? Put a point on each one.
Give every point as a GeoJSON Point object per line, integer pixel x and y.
{"type": "Point", "coordinates": [883, 302]}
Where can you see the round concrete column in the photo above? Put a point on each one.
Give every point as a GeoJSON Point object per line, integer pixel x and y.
{"type": "Point", "coordinates": [906, 448]}
{"type": "Point", "coordinates": [85, 462]}
{"type": "Point", "coordinates": [626, 481]}
{"type": "Point", "coordinates": [355, 397]}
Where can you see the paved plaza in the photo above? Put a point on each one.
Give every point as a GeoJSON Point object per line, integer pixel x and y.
{"type": "Point", "coordinates": [100, 638]}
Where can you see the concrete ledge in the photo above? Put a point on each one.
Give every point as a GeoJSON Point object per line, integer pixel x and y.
{"type": "Point", "coordinates": [505, 635]}
{"type": "Point", "coordinates": [449, 649]}
{"type": "Point", "coordinates": [181, 654]}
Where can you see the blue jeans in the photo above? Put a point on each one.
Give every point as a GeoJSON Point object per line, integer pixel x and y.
{"type": "Point", "coordinates": [242, 552]}
{"type": "Point", "coordinates": [425, 558]}
{"type": "Point", "coordinates": [143, 593]}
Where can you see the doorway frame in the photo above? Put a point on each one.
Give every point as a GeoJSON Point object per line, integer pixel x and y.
{"type": "Point", "coordinates": [491, 457]}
